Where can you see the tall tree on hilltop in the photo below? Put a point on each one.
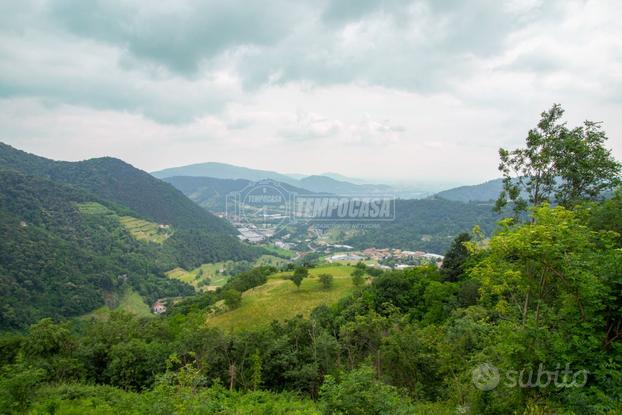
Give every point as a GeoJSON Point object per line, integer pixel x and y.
{"type": "Point", "coordinates": [558, 164]}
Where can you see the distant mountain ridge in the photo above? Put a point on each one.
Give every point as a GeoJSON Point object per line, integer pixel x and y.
{"type": "Point", "coordinates": [223, 171]}
{"type": "Point", "coordinates": [483, 192]}
{"type": "Point", "coordinates": [324, 184]}
{"type": "Point", "coordinates": [314, 183]}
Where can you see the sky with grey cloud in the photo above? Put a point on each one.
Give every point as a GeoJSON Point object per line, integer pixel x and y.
{"type": "Point", "coordinates": [410, 91]}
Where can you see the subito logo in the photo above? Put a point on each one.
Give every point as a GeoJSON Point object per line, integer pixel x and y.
{"type": "Point", "coordinates": [485, 377]}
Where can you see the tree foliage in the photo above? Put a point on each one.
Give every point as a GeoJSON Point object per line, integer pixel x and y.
{"type": "Point", "coordinates": [455, 258]}
{"type": "Point", "coordinates": [558, 164]}
{"type": "Point", "coordinates": [326, 280]}
{"type": "Point", "coordinates": [299, 275]}
{"type": "Point", "coordinates": [233, 298]}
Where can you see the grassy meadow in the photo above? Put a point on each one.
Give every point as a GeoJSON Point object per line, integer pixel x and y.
{"type": "Point", "coordinates": [144, 230]}
{"type": "Point", "coordinates": [195, 276]}
{"type": "Point", "coordinates": [130, 302]}
{"type": "Point", "coordinates": [212, 271]}
{"type": "Point", "coordinates": [279, 299]}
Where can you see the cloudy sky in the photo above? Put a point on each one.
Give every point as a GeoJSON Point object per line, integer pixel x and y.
{"type": "Point", "coordinates": [416, 91]}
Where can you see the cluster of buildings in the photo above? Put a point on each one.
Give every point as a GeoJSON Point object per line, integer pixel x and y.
{"type": "Point", "coordinates": [384, 253]}
{"type": "Point", "coordinates": [346, 257]}
{"type": "Point", "coordinates": [387, 258]}
{"type": "Point", "coordinates": [400, 259]}
{"type": "Point", "coordinates": [284, 245]}
{"type": "Point", "coordinates": [253, 234]}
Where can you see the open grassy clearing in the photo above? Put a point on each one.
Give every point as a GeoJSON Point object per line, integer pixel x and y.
{"type": "Point", "coordinates": [130, 302]}
{"type": "Point", "coordinates": [279, 251]}
{"type": "Point", "coordinates": [272, 260]}
{"type": "Point", "coordinates": [144, 230]}
{"type": "Point", "coordinates": [337, 234]}
{"type": "Point", "coordinates": [206, 271]}
{"type": "Point", "coordinates": [94, 208]}
{"type": "Point", "coordinates": [212, 271]}
{"type": "Point", "coordinates": [279, 299]}
{"type": "Point", "coordinates": [140, 229]}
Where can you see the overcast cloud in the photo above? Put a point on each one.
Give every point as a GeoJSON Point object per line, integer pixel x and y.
{"type": "Point", "coordinates": [415, 91]}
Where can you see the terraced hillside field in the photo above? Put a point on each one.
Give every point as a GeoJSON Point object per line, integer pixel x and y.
{"type": "Point", "coordinates": [140, 229]}
{"type": "Point", "coordinates": [279, 299]}
{"type": "Point", "coordinates": [199, 276]}
{"type": "Point", "coordinates": [146, 231]}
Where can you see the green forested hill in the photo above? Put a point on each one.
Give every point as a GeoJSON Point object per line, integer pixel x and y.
{"type": "Point", "coordinates": [116, 181]}
{"type": "Point", "coordinates": [427, 224]}
{"type": "Point", "coordinates": [56, 261]}
{"type": "Point", "coordinates": [59, 259]}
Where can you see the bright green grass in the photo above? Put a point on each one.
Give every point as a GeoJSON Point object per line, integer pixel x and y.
{"type": "Point", "coordinates": [130, 302]}
{"type": "Point", "coordinates": [279, 299]}
{"type": "Point", "coordinates": [275, 261]}
{"type": "Point", "coordinates": [93, 208]}
{"type": "Point", "coordinates": [144, 230]}
{"type": "Point", "coordinates": [180, 274]}
{"type": "Point", "coordinates": [279, 251]}
{"type": "Point", "coordinates": [195, 276]}
{"type": "Point", "coordinates": [337, 234]}
{"type": "Point", "coordinates": [212, 271]}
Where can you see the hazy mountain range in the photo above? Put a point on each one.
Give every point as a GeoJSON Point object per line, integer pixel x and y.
{"type": "Point", "coordinates": [482, 192]}
{"type": "Point", "coordinates": [314, 183]}
{"type": "Point", "coordinates": [333, 183]}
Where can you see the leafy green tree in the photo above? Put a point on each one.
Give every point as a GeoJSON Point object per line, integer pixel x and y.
{"type": "Point", "coordinates": [585, 165]}
{"type": "Point", "coordinates": [233, 298]}
{"type": "Point", "coordinates": [135, 364]}
{"type": "Point", "coordinates": [299, 274]}
{"type": "Point", "coordinates": [409, 362]}
{"type": "Point", "coordinates": [362, 337]}
{"type": "Point", "coordinates": [47, 338]}
{"type": "Point", "coordinates": [558, 164]}
{"type": "Point", "coordinates": [439, 300]}
{"type": "Point", "coordinates": [361, 265]}
{"type": "Point", "coordinates": [605, 216]}
{"type": "Point", "coordinates": [17, 383]}
{"type": "Point", "coordinates": [529, 172]}
{"type": "Point", "coordinates": [549, 281]}
{"type": "Point", "coordinates": [256, 370]}
{"type": "Point", "coordinates": [359, 393]}
{"type": "Point", "coordinates": [326, 280]}
{"type": "Point", "coordinates": [544, 266]}
{"type": "Point", "coordinates": [453, 263]}
{"type": "Point", "coordinates": [358, 277]}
